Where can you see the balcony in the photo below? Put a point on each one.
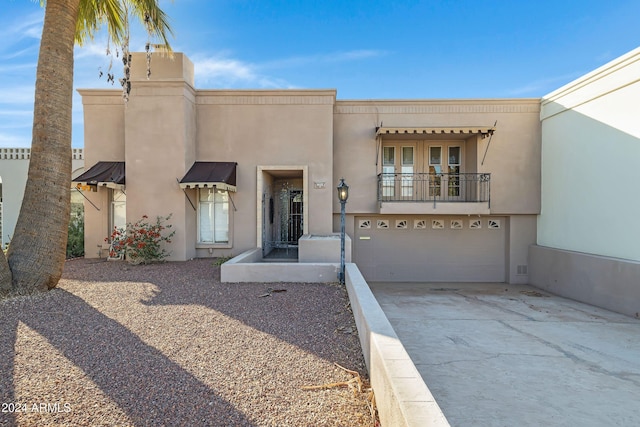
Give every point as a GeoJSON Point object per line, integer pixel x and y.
{"type": "Point", "coordinates": [424, 193]}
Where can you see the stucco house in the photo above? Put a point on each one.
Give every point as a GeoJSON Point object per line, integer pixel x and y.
{"type": "Point", "coordinates": [440, 190]}
{"type": "Point", "coordinates": [473, 190]}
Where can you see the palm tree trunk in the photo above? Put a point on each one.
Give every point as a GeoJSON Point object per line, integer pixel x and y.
{"type": "Point", "coordinates": [37, 251]}
{"type": "Point", "coordinates": [5, 275]}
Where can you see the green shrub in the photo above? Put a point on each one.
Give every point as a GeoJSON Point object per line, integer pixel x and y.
{"type": "Point", "coordinates": [75, 239]}
{"type": "Point", "coordinates": [221, 260]}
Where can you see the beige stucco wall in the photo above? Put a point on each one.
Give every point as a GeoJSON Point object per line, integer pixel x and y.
{"type": "Point", "coordinates": [610, 283]}
{"type": "Point", "coordinates": [274, 130]}
{"type": "Point", "coordinates": [104, 127]}
{"type": "Point", "coordinates": [513, 157]}
{"type": "Point", "coordinates": [154, 134]}
{"type": "Point", "coordinates": [521, 234]}
{"type": "Point", "coordinates": [167, 125]}
{"type": "Point", "coordinates": [160, 149]}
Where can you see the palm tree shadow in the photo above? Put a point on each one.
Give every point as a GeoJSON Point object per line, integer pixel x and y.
{"type": "Point", "coordinates": [281, 315]}
{"type": "Point", "coordinates": [145, 384]}
{"type": "Point", "coordinates": [306, 315]}
{"type": "Point", "coordinates": [8, 330]}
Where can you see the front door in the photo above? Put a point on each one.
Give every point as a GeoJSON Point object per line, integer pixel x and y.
{"type": "Point", "coordinates": [289, 214]}
{"type": "Point", "coordinates": [294, 217]}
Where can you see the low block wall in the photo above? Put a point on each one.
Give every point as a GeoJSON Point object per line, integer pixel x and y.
{"type": "Point", "coordinates": [610, 283]}
{"type": "Point", "coordinates": [402, 396]}
{"type": "Point", "coordinates": [315, 248]}
{"type": "Point", "coordinates": [247, 267]}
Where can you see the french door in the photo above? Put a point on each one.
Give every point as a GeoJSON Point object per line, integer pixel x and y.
{"type": "Point", "coordinates": [398, 166]}
{"type": "Point", "coordinates": [444, 167]}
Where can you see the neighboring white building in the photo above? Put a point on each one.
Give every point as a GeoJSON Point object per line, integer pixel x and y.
{"type": "Point", "coordinates": [14, 166]}
{"type": "Point", "coordinates": [588, 231]}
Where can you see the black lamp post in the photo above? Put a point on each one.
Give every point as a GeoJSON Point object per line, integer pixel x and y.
{"type": "Point", "coordinates": [343, 195]}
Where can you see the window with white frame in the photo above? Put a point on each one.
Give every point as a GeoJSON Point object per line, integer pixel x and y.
{"type": "Point", "coordinates": [435, 170]}
{"type": "Point", "coordinates": [407, 171]}
{"type": "Point", "coordinates": [118, 210]}
{"type": "Point", "coordinates": [213, 216]}
{"type": "Point", "coordinates": [388, 171]}
{"type": "Point", "coordinates": [414, 169]}
{"type": "Point", "coordinates": [454, 171]}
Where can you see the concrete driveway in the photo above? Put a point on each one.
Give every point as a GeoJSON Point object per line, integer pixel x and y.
{"type": "Point", "coordinates": [508, 355]}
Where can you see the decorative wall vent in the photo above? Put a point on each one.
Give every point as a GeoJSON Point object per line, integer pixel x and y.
{"type": "Point", "coordinates": [494, 224]}
{"type": "Point", "coordinates": [475, 223]}
{"type": "Point", "coordinates": [419, 224]}
{"type": "Point", "coordinates": [364, 223]}
{"type": "Point", "coordinates": [437, 224]}
{"type": "Point", "coordinates": [401, 223]}
{"type": "Point", "coordinates": [383, 223]}
{"type": "Point", "coordinates": [522, 270]}
{"type": "Point", "coordinates": [456, 224]}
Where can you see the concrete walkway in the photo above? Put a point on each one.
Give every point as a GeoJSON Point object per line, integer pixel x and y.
{"type": "Point", "coordinates": [508, 355]}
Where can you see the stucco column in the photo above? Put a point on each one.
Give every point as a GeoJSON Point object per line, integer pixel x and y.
{"type": "Point", "coordinates": [160, 145]}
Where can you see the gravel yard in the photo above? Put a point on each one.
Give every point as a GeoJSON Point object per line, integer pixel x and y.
{"type": "Point", "coordinates": [168, 344]}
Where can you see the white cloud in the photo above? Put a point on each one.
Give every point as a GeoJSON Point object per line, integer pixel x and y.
{"type": "Point", "coordinates": [324, 58]}
{"type": "Point", "coordinates": [233, 73]}
{"type": "Point", "coordinates": [224, 71]}
{"type": "Point", "coordinates": [27, 52]}
{"type": "Point", "coordinates": [215, 68]}
{"type": "Point", "coordinates": [90, 50]}
{"type": "Point", "coordinates": [29, 27]}
{"type": "Point", "coordinates": [543, 86]}
{"type": "Point", "coordinates": [13, 68]}
{"type": "Point", "coordinates": [13, 140]}
{"type": "Point", "coordinates": [17, 95]}
{"type": "Point", "coordinates": [15, 115]}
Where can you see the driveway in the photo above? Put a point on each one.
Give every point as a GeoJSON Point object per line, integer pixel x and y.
{"type": "Point", "coordinates": [509, 355]}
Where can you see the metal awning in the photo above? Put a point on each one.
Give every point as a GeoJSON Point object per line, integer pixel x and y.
{"type": "Point", "coordinates": [221, 175]}
{"type": "Point", "coordinates": [107, 174]}
{"type": "Point", "coordinates": [484, 131]}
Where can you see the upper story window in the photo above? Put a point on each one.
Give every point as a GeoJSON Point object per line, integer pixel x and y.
{"type": "Point", "coordinates": [439, 163]}
{"type": "Point", "coordinates": [434, 157]}
{"type": "Point", "coordinates": [414, 169]}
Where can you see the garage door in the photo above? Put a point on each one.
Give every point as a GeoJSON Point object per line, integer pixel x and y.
{"type": "Point", "coordinates": [430, 249]}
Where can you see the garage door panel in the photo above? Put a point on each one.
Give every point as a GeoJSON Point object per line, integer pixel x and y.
{"type": "Point", "coordinates": [429, 254]}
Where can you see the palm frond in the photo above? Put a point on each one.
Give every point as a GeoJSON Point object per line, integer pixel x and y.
{"type": "Point", "coordinates": [93, 14]}
{"type": "Point", "coordinates": [155, 20]}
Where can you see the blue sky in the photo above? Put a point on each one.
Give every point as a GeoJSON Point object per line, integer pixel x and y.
{"type": "Point", "coordinates": [364, 49]}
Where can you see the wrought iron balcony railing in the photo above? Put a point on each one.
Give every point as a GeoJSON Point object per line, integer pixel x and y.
{"type": "Point", "coordinates": [425, 187]}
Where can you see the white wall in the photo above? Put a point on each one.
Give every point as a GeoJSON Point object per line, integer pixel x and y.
{"type": "Point", "coordinates": [14, 164]}
{"type": "Point", "coordinates": [14, 167]}
{"type": "Point", "coordinates": [591, 162]}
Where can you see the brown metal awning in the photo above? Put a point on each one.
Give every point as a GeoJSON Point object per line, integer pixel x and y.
{"type": "Point", "coordinates": [484, 131]}
{"type": "Point", "coordinates": [221, 175]}
{"type": "Point", "coordinates": [108, 174]}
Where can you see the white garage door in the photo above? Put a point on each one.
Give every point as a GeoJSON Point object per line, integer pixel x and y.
{"type": "Point", "coordinates": [430, 249]}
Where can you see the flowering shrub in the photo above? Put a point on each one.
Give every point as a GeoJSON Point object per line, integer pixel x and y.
{"type": "Point", "coordinates": [140, 242]}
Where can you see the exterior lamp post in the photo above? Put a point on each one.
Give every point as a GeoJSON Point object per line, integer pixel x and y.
{"type": "Point", "coordinates": [343, 195]}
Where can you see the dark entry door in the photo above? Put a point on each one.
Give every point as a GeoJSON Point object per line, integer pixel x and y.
{"type": "Point", "coordinates": [290, 218]}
